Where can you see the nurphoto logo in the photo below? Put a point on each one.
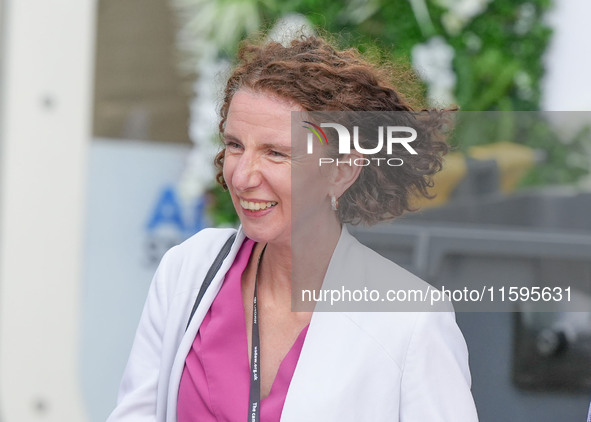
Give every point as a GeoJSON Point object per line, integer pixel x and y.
{"type": "Point", "coordinates": [392, 137]}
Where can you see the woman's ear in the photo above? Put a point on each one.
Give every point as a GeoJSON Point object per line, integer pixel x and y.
{"type": "Point", "coordinates": [345, 171]}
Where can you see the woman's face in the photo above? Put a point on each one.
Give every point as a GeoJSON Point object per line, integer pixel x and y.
{"type": "Point", "coordinates": [258, 166]}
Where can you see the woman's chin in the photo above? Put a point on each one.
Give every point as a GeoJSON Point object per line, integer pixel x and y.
{"type": "Point", "coordinates": [266, 234]}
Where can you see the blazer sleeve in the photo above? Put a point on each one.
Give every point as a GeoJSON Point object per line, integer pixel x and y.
{"type": "Point", "coordinates": [436, 377]}
{"type": "Point", "coordinates": [138, 391]}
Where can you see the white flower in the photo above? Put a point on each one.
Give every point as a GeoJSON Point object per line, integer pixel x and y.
{"type": "Point", "coordinates": [465, 9]}
{"type": "Point", "coordinates": [289, 27]}
{"type": "Point", "coordinates": [358, 11]}
{"type": "Point", "coordinates": [452, 23]}
{"type": "Point", "coordinates": [523, 83]}
{"type": "Point", "coordinates": [221, 23]}
{"type": "Point", "coordinates": [198, 174]}
{"type": "Point", "coordinates": [460, 13]}
{"type": "Point", "coordinates": [526, 15]}
{"type": "Point", "coordinates": [433, 62]}
{"type": "Point", "coordinates": [473, 42]}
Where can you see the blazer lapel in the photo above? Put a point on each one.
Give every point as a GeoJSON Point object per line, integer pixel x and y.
{"type": "Point", "coordinates": [320, 381]}
{"type": "Point", "coordinates": [191, 331]}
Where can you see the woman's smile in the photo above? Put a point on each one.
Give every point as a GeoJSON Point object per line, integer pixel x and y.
{"type": "Point", "coordinates": [274, 189]}
{"type": "Point", "coordinates": [257, 164]}
{"type": "Point", "coordinates": [256, 205]}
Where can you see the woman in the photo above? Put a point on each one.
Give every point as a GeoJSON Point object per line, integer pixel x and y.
{"type": "Point", "coordinates": [224, 361]}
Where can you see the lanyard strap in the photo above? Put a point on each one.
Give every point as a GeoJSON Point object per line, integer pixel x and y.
{"type": "Point", "coordinates": [255, 359]}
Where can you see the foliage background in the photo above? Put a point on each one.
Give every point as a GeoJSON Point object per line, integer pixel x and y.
{"type": "Point", "coordinates": [496, 62]}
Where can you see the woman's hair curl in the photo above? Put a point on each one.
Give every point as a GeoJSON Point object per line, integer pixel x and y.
{"type": "Point", "coordinates": [318, 77]}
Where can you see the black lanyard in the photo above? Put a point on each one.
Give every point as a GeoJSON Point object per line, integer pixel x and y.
{"type": "Point", "coordinates": [255, 359]}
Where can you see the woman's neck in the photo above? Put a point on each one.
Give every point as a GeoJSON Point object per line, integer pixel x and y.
{"type": "Point", "coordinates": [299, 264]}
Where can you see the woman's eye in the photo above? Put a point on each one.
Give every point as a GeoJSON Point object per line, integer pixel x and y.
{"type": "Point", "coordinates": [279, 154]}
{"type": "Point", "coordinates": [233, 145]}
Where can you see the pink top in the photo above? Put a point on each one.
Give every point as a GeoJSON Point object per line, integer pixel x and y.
{"type": "Point", "coordinates": [216, 379]}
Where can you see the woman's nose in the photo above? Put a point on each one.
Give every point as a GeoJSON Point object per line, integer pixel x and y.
{"type": "Point", "coordinates": [247, 173]}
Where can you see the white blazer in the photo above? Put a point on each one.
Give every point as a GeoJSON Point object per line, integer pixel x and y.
{"type": "Point", "coordinates": [354, 366]}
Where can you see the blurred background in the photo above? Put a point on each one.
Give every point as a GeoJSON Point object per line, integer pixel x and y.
{"type": "Point", "coordinates": [108, 117]}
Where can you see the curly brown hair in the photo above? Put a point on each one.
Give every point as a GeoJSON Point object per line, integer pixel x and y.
{"type": "Point", "coordinates": [319, 77]}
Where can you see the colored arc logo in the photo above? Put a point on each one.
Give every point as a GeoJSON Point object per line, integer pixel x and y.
{"type": "Point", "coordinates": [316, 129]}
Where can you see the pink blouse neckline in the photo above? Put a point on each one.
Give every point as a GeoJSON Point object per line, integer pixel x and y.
{"type": "Point", "coordinates": [216, 379]}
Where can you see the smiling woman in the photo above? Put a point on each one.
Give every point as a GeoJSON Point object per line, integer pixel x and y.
{"type": "Point", "coordinates": [239, 351]}
{"type": "Point", "coordinates": [257, 165]}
